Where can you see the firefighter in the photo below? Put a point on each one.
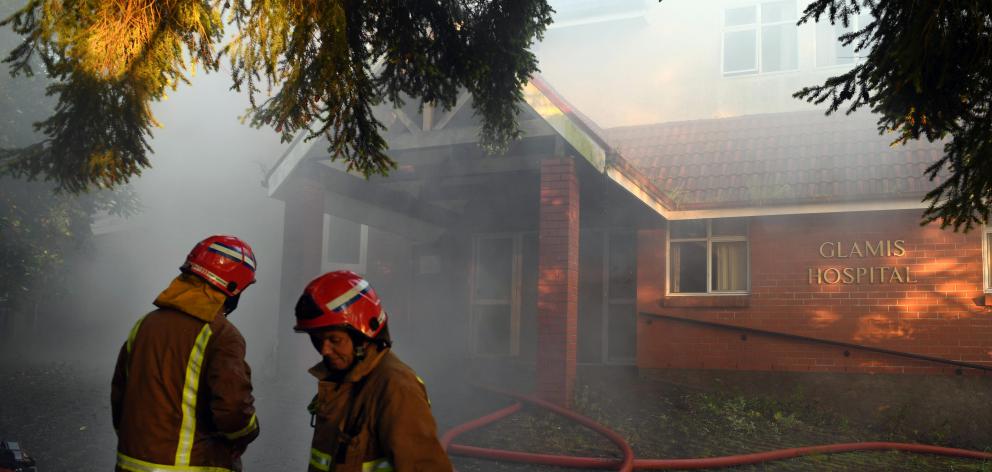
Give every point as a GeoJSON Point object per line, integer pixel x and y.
{"type": "Point", "coordinates": [371, 412]}
{"type": "Point", "coordinates": [181, 395]}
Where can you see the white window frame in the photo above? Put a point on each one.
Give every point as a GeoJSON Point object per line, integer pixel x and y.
{"type": "Point", "coordinates": [709, 239]}
{"type": "Point", "coordinates": [756, 26]}
{"type": "Point", "coordinates": [855, 25]}
{"type": "Point", "coordinates": [327, 266]}
{"type": "Point", "coordinates": [516, 279]}
{"type": "Point", "coordinates": [986, 253]}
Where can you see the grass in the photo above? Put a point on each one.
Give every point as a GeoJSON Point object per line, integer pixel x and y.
{"type": "Point", "coordinates": [678, 418]}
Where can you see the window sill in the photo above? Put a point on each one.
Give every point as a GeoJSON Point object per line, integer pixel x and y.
{"type": "Point", "coordinates": [707, 301]}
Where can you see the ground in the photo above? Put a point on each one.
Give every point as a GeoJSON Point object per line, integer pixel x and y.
{"type": "Point", "coordinates": [680, 414]}
{"type": "Point", "coordinates": [59, 411]}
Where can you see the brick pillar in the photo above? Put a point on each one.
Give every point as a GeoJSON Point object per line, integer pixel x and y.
{"type": "Point", "coordinates": [558, 282]}
{"type": "Point", "coordinates": [302, 243]}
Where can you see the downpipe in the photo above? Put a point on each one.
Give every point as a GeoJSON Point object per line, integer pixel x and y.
{"type": "Point", "coordinates": [629, 463]}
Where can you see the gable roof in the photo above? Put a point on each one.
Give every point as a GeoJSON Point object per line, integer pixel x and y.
{"type": "Point", "coordinates": [575, 128]}
{"type": "Point", "coordinates": [772, 164]}
{"type": "Point", "coordinates": [776, 159]}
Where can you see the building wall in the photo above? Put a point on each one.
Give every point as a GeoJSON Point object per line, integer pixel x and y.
{"type": "Point", "coordinates": [937, 312]}
{"type": "Point", "coordinates": [666, 66]}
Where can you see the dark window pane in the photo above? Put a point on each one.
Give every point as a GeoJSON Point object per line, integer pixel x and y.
{"type": "Point", "coordinates": [590, 336]}
{"type": "Point", "coordinates": [729, 227]}
{"type": "Point", "coordinates": [729, 266]}
{"type": "Point", "coordinates": [623, 266]}
{"type": "Point", "coordinates": [493, 268]}
{"type": "Point", "coordinates": [344, 241]}
{"type": "Point", "coordinates": [740, 16]}
{"type": "Point", "coordinates": [688, 267]}
{"type": "Point", "coordinates": [623, 332]}
{"type": "Point", "coordinates": [739, 52]}
{"type": "Point", "coordinates": [779, 48]}
{"type": "Point", "coordinates": [688, 229]}
{"type": "Point", "coordinates": [492, 329]}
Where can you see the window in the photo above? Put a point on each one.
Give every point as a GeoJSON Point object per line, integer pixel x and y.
{"type": "Point", "coordinates": [708, 256]}
{"type": "Point", "coordinates": [607, 331]}
{"type": "Point", "coordinates": [503, 295]}
{"type": "Point", "coordinates": [760, 38]}
{"type": "Point", "coordinates": [829, 50]}
{"type": "Point", "coordinates": [345, 245]}
{"type": "Point", "coordinates": [987, 253]}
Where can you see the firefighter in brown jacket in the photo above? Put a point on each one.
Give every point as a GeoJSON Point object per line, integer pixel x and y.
{"type": "Point", "coordinates": [371, 412]}
{"type": "Point", "coordinates": [181, 395]}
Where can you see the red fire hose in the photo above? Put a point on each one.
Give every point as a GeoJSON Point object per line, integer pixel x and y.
{"type": "Point", "coordinates": [624, 465]}
{"type": "Point", "coordinates": [628, 463]}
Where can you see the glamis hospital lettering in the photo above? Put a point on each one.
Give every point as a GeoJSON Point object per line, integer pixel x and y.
{"type": "Point", "coordinates": [884, 248]}
{"type": "Point", "coordinates": [861, 275]}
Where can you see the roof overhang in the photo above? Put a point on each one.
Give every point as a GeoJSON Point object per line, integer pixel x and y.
{"type": "Point", "coordinates": [592, 147]}
{"type": "Point", "coordinates": [557, 113]}
{"type": "Point", "coordinates": [638, 191]}
{"type": "Point", "coordinates": [289, 161]}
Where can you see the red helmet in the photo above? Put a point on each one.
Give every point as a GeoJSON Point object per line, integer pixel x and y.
{"type": "Point", "coordinates": [340, 298]}
{"type": "Point", "coordinates": [225, 262]}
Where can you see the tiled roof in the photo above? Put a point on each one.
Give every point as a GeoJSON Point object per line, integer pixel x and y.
{"type": "Point", "coordinates": [784, 158]}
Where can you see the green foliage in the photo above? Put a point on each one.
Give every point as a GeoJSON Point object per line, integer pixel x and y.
{"type": "Point", "coordinates": [331, 62]}
{"type": "Point", "coordinates": [108, 61]}
{"type": "Point", "coordinates": [39, 227]}
{"type": "Point", "coordinates": [926, 74]}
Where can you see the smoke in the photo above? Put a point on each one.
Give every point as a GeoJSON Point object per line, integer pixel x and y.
{"type": "Point", "coordinates": [207, 178]}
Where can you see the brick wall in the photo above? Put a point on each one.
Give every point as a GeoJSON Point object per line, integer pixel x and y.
{"type": "Point", "coordinates": [558, 268]}
{"type": "Point", "coordinates": [799, 287]}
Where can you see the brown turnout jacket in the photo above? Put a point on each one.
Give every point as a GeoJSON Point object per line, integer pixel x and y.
{"type": "Point", "coordinates": [377, 419]}
{"type": "Point", "coordinates": [181, 395]}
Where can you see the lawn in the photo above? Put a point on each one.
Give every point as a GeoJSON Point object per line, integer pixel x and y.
{"type": "Point", "coordinates": [681, 414]}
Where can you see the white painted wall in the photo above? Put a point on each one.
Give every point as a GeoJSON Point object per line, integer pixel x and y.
{"type": "Point", "coordinates": [666, 66]}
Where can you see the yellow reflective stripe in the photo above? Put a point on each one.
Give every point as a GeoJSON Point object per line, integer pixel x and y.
{"type": "Point", "coordinates": [378, 465]}
{"type": "Point", "coordinates": [134, 332]}
{"type": "Point", "coordinates": [425, 389]}
{"type": "Point", "coordinates": [136, 465]}
{"type": "Point", "coordinates": [320, 460]}
{"type": "Point", "coordinates": [252, 426]}
{"type": "Point", "coordinates": [188, 427]}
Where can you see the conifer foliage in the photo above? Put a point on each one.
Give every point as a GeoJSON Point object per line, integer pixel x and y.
{"type": "Point", "coordinates": [928, 74]}
{"type": "Point", "coordinates": [320, 65]}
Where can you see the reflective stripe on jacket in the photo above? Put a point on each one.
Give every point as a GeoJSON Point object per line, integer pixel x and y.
{"type": "Point", "coordinates": [323, 462]}
{"type": "Point", "coordinates": [377, 419]}
{"type": "Point", "coordinates": [181, 395]}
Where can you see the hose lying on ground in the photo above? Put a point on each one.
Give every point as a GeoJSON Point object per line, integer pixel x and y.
{"type": "Point", "coordinates": [628, 463]}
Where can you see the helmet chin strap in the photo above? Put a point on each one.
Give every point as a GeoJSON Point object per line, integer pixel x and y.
{"type": "Point", "coordinates": [231, 304]}
{"type": "Point", "coordinates": [360, 352]}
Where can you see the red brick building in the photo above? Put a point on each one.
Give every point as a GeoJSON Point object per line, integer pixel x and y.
{"type": "Point", "coordinates": [827, 216]}
{"type": "Point", "coordinates": [778, 241]}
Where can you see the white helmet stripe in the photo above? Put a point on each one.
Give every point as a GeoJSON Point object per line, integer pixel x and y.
{"type": "Point", "coordinates": [348, 297]}
{"type": "Point", "coordinates": [237, 255]}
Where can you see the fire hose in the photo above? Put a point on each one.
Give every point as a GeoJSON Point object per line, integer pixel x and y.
{"type": "Point", "coordinates": [629, 463]}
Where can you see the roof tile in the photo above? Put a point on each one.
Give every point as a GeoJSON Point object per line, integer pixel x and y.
{"type": "Point", "coordinates": [775, 159]}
